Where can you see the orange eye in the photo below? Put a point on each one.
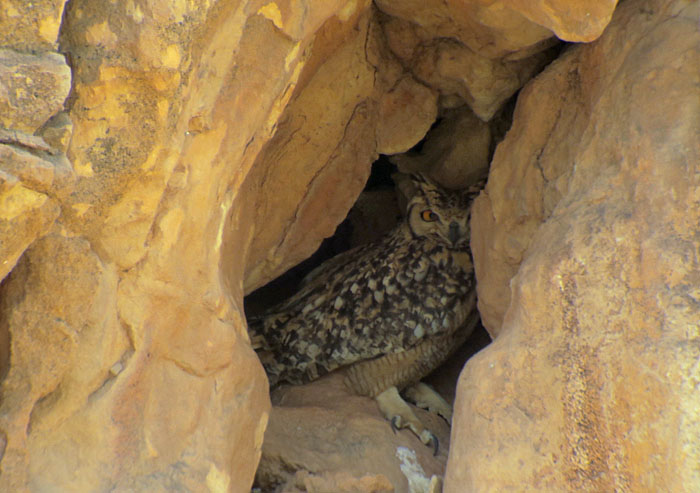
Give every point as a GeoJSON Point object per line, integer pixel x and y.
{"type": "Point", "coordinates": [428, 216]}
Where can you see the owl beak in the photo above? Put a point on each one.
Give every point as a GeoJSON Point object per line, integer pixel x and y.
{"type": "Point", "coordinates": [453, 234]}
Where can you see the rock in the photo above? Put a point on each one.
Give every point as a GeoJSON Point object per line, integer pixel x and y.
{"type": "Point", "coordinates": [26, 211]}
{"type": "Point", "coordinates": [570, 20]}
{"type": "Point", "coordinates": [214, 145]}
{"type": "Point", "coordinates": [483, 83]}
{"type": "Point", "coordinates": [455, 152]}
{"type": "Point", "coordinates": [25, 216]}
{"type": "Point", "coordinates": [322, 438]}
{"type": "Point", "coordinates": [30, 26]}
{"type": "Point", "coordinates": [32, 88]}
{"type": "Point", "coordinates": [76, 313]}
{"type": "Point", "coordinates": [458, 71]}
{"type": "Point", "coordinates": [406, 113]}
{"type": "Point", "coordinates": [32, 176]}
{"type": "Point", "coordinates": [57, 131]}
{"type": "Point", "coordinates": [126, 291]}
{"type": "Point", "coordinates": [483, 52]}
{"type": "Point", "coordinates": [329, 127]}
{"type": "Point", "coordinates": [585, 251]}
{"type": "Point", "coordinates": [341, 483]}
{"type": "Point", "coordinates": [33, 171]}
{"type": "Point", "coordinates": [489, 28]}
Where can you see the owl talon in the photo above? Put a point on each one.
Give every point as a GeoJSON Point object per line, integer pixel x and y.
{"type": "Point", "coordinates": [401, 416]}
{"type": "Point", "coordinates": [430, 439]}
{"type": "Point", "coordinates": [423, 396]}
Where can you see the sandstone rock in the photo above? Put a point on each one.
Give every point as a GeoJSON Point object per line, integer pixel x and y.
{"type": "Point", "coordinates": [328, 128]}
{"type": "Point", "coordinates": [482, 52]}
{"type": "Point", "coordinates": [32, 88]}
{"type": "Point", "coordinates": [30, 26]}
{"type": "Point", "coordinates": [26, 182]}
{"type": "Point", "coordinates": [569, 20]}
{"type": "Point", "coordinates": [159, 160]}
{"type": "Point", "coordinates": [25, 215]}
{"type": "Point", "coordinates": [483, 83]}
{"type": "Point", "coordinates": [341, 482]}
{"type": "Point", "coordinates": [214, 145]}
{"type": "Point", "coordinates": [57, 131]}
{"type": "Point", "coordinates": [455, 152]}
{"type": "Point", "coordinates": [489, 28]}
{"type": "Point", "coordinates": [457, 71]}
{"type": "Point", "coordinates": [75, 311]}
{"type": "Point", "coordinates": [322, 438]}
{"type": "Point", "coordinates": [406, 113]}
{"type": "Point", "coordinates": [590, 216]}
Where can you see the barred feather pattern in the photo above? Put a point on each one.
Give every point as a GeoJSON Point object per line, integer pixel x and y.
{"type": "Point", "coordinates": [414, 285]}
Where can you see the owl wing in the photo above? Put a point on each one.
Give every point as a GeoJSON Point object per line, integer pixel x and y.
{"type": "Point", "coordinates": [268, 328]}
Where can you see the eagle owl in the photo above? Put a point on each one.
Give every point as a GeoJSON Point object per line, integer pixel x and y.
{"type": "Point", "coordinates": [386, 313]}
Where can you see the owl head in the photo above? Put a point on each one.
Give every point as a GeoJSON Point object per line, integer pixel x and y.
{"type": "Point", "coordinates": [439, 214]}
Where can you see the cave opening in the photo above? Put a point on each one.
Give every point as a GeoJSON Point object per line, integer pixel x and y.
{"type": "Point", "coordinates": [377, 210]}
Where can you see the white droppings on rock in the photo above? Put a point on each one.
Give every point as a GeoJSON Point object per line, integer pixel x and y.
{"type": "Point", "coordinates": [418, 482]}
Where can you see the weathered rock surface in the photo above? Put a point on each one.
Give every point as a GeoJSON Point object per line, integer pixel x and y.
{"type": "Point", "coordinates": [161, 134]}
{"type": "Point", "coordinates": [406, 113]}
{"type": "Point", "coordinates": [150, 384]}
{"type": "Point", "coordinates": [214, 145]}
{"type": "Point", "coordinates": [483, 83]}
{"type": "Point", "coordinates": [327, 148]}
{"type": "Point", "coordinates": [322, 438]}
{"type": "Point", "coordinates": [30, 26]}
{"type": "Point", "coordinates": [585, 244]}
{"type": "Point", "coordinates": [483, 51]}
{"type": "Point", "coordinates": [455, 152]}
{"type": "Point", "coordinates": [32, 88]}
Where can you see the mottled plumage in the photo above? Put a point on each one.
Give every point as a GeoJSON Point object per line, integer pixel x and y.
{"type": "Point", "coordinates": [413, 285]}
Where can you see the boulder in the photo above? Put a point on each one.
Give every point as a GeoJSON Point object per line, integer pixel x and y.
{"type": "Point", "coordinates": [585, 243]}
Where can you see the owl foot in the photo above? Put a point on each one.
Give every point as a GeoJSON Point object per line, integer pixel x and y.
{"type": "Point", "coordinates": [401, 416]}
{"type": "Point", "coordinates": [425, 397]}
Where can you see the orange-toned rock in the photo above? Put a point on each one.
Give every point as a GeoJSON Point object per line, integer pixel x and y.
{"type": "Point", "coordinates": [455, 152]}
{"type": "Point", "coordinates": [322, 438]}
{"type": "Point", "coordinates": [30, 26]}
{"type": "Point", "coordinates": [32, 175]}
{"type": "Point", "coordinates": [492, 29]}
{"type": "Point", "coordinates": [32, 88]}
{"type": "Point", "coordinates": [569, 20]}
{"type": "Point", "coordinates": [483, 83]}
{"type": "Point", "coordinates": [590, 220]}
{"type": "Point", "coordinates": [484, 51]}
{"type": "Point", "coordinates": [406, 113]}
{"type": "Point", "coordinates": [308, 176]}
{"type": "Point", "coordinates": [150, 384]}
{"type": "Point", "coordinates": [457, 70]}
{"type": "Point", "coordinates": [213, 145]}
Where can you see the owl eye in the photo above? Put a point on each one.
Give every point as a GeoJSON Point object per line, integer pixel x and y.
{"type": "Point", "coordinates": [429, 216]}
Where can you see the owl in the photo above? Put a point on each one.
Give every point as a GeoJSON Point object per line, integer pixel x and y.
{"type": "Point", "coordinates": [385, 314]}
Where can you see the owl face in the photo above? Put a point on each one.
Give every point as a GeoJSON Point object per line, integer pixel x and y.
{"type": "Point", "coordinates": [438, 214]}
